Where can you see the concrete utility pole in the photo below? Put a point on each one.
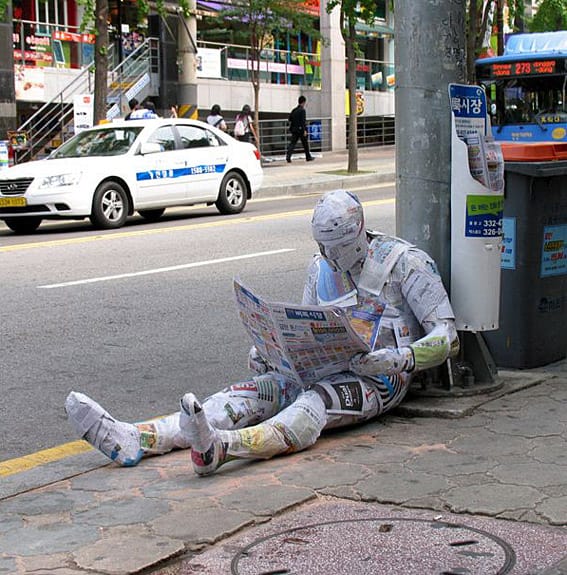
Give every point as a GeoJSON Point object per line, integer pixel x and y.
{"type": "Point", "coordinates": [187, 61]}
{"type": "Point", "coordinates": [430, 54]}
{"type": "Point", "coordinates": [8, 119]}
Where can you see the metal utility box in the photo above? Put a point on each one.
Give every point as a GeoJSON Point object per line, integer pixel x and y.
{"type": "Point", "coordinates": [533, 298]}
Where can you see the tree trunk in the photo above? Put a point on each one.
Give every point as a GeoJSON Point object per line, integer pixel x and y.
{"type": "Point", "coordinates": [101, 60]}
{"type": "Point", "coordinates": [519, 19]}
{"type": "Point", "coordinates": [256, 56]}
{"type": "Point", "coordinates": [351, 83]}
{"type": "Point", "coordinates": [500, 25]}
{"type": "Point", "coordinates": [257, 112]}
{"type": "Point", "coordinates": [8, 116]}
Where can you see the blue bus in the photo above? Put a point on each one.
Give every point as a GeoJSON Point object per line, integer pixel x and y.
{"type": "Point", "coordinates": [525, 88]}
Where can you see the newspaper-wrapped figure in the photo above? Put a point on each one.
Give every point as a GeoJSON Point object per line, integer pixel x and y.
{"type": "Point", "coordinates": [374, 312]}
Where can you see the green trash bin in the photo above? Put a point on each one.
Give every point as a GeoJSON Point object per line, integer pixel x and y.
{"type": "Point", "coordinates": [533, 296]}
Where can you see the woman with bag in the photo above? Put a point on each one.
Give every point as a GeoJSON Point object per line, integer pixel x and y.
{"type": "Point", "coordinates": [244, 126]}
{"type": "Point", "coordinates": [215, 119]}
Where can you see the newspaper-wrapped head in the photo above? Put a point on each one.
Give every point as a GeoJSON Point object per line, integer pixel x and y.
{"type": "Point", "coordinates": [338, 228]}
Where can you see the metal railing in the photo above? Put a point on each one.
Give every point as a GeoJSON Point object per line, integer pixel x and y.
{"type": "Point", "coordinates": [54, 119]}
{"type": "Point", "coordinates": [375, 131]}
{"type": "Point", "coordinates": [131, 78]}
{"type": "Point", "coordinates": [275, 136]}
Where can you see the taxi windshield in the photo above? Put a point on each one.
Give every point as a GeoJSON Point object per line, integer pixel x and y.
{"type": "Point", "coordinates": [104, 142]}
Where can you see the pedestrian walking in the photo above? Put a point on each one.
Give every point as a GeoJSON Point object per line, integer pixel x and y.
{"type": "Point", "coordinates": [145, 111]}
{"type": "Point", "coordinates": [133, 104]}
{"type": "Point", "coordinates": [244, 126]}
{"type": "Point", "coordinates": [215, 118]}
{"type": "Point", "coordinates": [298, 127]}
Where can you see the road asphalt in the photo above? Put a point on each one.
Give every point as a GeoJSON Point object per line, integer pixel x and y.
{"type": "Point", "coordinates": [470, 481]}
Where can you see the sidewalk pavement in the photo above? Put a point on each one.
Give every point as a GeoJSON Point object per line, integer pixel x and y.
{"type": "Point", "coordinates": [472, 484]}
{"type": "Point", "coordinates": [327, 172]}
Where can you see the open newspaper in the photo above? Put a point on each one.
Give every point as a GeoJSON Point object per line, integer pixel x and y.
{"type": "Point", "coordinates": [304, 343]}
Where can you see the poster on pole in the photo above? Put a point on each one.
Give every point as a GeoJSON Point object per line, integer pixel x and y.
{"type": "Point", "coordinates": [477, 203]}
{"type": "Point", "coordinates": [468, 104]}
{"type": "Point", "coordinates": [83, 112]}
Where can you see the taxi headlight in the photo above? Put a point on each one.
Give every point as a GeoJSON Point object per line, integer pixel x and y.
{"type": "Point", "coordinates": [60, 180]}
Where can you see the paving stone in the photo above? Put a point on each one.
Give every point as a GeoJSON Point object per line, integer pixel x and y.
{"type": "Point", "coordinates": [265, 499]}
{"type": "Point", "coordinates": [490, 444]}
{"type": "Point", "coordinates": [321, 474]}
{"type": "Point", "coordinates": [554, 509]}
{"type": "Point", "coordinates": [122, 511]}
{"type": "Point", "coordinates": [121, 551]}
{"type": "Point", "coordinates": [8, 524]}
{"type": "Point", "coordinates": [7, 565]}
{"type": "Point", "coordinates": [44, 502]}
{"type": "Point", "coordinates": [532, 473]}
{"type": "Point", "coordinates": [207, 526]}
{"type": "Point", "coordinates": [491, 499]}
{"type": "Point", "coordinates": [446, 462]}
{"type": "Point", "coordinates": [401, 485]}
{"type": "Point", "coordinates": [550, 450]}
{"type": "Point", "coordinates": [50, 564]}
{"type": "Point", "coordinates": [51, 538]}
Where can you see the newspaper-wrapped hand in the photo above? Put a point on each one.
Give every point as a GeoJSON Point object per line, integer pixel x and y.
{"type": "Point", "coordinates": [256, 362]}
{"type": "Point", "coordinates": [386, 361]}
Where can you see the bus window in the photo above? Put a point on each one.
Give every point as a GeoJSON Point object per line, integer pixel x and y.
{"type": "Point", "coordinates": [526, 88]}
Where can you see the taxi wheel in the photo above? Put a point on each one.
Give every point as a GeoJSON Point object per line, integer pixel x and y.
{"type": "Point", "coordinates": [232, 194]}
{"type": "Point", "coordinates": [110, 206]}
{"type": "Point", "coordinates": [152, 215]}
{"type": "Point", "coordinates": [23, 225]}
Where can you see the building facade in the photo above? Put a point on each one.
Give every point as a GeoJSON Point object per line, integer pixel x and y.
{"type": "Point", "coordinates": [50, 52]}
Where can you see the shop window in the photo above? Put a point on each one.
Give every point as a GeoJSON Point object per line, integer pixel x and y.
{"type": "Point", "coordinates": [50, 12]}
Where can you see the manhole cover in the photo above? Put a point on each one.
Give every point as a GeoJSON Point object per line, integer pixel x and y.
{"type": "Point", "coordinates": [377, 546]}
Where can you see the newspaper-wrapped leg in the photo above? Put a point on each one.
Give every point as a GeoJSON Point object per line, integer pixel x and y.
{"type": "Point", "coordinates": [350, 399]}
{"type": "Point", "coordinates": [237, 406]}
{"type": "Point", "coordinates": [124, 443]}
{"type": "Point", "coordinates": [250, 402]}
{"type": "Point", "coordinates": [295, 428]}
{"type": "Point", "coordinates": [117, 440]}
{"type": "Point", "coordinates": [208, 452]}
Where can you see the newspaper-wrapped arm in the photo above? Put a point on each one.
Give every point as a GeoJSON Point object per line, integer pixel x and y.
{"type": "Point", "coordinates": [429, 351]}
{"type": "Point", "coordinates": [422, 288]}
{"type": "Point", "coordinates": [256, 362]}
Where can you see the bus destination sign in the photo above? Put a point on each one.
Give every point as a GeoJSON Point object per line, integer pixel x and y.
{"type": "Point", "coordinates": [525, 68]}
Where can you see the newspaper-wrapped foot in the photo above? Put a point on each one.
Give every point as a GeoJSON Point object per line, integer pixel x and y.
{"type": "Point", "coordinates": [208, 452]}
{"type": "Point", "coordinates": [117, 440]}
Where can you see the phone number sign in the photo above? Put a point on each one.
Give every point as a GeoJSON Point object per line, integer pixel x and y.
{"type": "Point", "coordinates": [484, 216]}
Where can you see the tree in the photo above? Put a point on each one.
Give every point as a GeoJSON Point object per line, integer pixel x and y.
{"type": "Point", "coordinates": [95, 19]}
{"type": "Point", "coordinates": [551, 16]}
{"type": "Point", "coordinates": [101, 60]}
{"type": "Point", "coordinates": [481, 15]}
{"type": "Point", "coordinates": [265, 19]}
{"type": "Point", "coordinates": [351, 12]}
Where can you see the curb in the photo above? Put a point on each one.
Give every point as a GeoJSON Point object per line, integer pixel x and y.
{"type": "Point", "coordinates": [323, 182]}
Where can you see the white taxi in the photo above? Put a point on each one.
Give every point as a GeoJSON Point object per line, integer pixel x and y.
{"type": "Point", "coordinates": [108, 172]}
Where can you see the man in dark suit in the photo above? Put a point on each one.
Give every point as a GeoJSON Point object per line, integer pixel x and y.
{"type": "Point", "coordinates": [298, 128]}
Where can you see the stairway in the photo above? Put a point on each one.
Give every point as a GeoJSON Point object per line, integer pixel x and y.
{"type": "Point", "coordinates": [135, 77]}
